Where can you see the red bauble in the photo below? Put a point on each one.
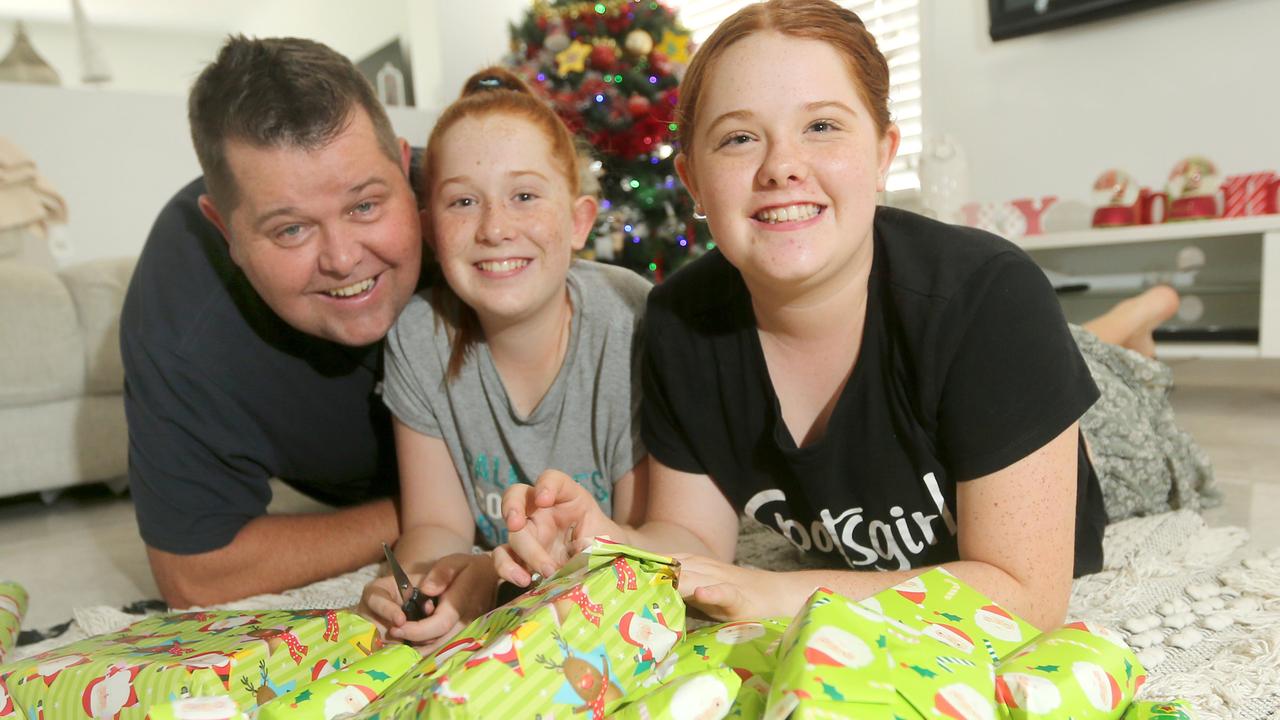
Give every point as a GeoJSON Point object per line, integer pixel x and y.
{"type": "Point", "coordinates": [639, 105]}
{"type": "Point", "coordinates": [618, 23]}
{"type": "Point", "coordinates": [592, 86]}
{"type": "Point", "coordinates": [566, 100]}
{"type": "Point", "coordinates": [604, 58]}
{"type": "Point", "coordinates": [659, 63]}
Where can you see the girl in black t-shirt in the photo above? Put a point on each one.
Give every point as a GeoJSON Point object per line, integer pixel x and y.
{"type": "Point", "coordinates": [878, 387]}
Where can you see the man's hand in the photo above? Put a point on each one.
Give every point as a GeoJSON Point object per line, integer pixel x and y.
{"type": "Point", "coordinates": [723, 592]}
{"type": "Point", "coordinates": [546, 524]}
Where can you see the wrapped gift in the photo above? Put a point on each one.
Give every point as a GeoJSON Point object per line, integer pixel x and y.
{"type": "Point", "coordinates": [8, 710]}
{"type": "Point", "coordinates": [13, 605]}
{"type": "Point", "coordinates": [1250, 194]}
{"type": "Point", "coordinates": [581, 643]}
{"type": "Point", "coordinates": [1082, 669]}
{"type": "Point", "coordinates": [746, 648]}
{"type": "Point", "coordinates": [832, 661]}
{"type": "Point", "coordinates": [934, 647]}
{"type": "Point", "coordinates": [250, 657]}
{"type": "Point", "coordinates": [343, 691]}
{"type": "Point", "coordinates": [1147, 710]}
{"type": "Point", "coordinates": [214, 707]}
{"type": "Point", "coordinates": [705, 695]}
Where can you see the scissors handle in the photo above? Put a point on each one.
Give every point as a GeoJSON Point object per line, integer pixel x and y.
{"type": "Point", "coordinates": [415, 607]}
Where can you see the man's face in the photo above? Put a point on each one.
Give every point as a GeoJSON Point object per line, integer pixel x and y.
{"type": "Point", "coordinates": [329, 238]}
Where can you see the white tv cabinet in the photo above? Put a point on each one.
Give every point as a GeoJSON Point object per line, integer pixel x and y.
{"type": "Point", "coordinates": [1262, 232]}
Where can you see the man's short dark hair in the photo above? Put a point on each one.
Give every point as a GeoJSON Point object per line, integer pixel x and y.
{"type": "Point", "coordinates": [276, 92]}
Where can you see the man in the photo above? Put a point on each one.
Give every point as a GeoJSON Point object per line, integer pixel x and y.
{"type": "Point", "coordinates": [251, 333]}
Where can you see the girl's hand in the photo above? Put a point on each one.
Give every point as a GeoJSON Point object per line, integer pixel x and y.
{"type": "Point", "coordinates": [464, 586]}
{"type": "Point", "coordinates": [380, 603]}
{"type": "Point", "coordinates": [724, 592]}
{"type": "Point", "coordinates": [547, 524]}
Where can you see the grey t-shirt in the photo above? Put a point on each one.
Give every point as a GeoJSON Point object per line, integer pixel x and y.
{"type": "Point", "coordinates": [587, 424]}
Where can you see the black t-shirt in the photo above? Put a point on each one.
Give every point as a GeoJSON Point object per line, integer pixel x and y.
{"type": "Point", "coordinates": [221, 395]}
{"type": "Point", "coordinates": [966, 366]}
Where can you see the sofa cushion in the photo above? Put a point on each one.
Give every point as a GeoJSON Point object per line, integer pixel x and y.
{"type": "Point", "coordinates": [41, 352]}
{"type": "Point", "coordinates": [98, 289]}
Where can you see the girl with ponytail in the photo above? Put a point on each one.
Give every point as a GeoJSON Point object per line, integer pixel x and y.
{"type": "Point", "coordinates": [516, 358]}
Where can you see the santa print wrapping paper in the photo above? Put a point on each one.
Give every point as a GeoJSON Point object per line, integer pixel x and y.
{"type": "Point", "coordinates": [933, 647]}
{"type": "Point", "coordinates": [13, 605]}
{"type": "Point", "coordinates": [250, 657]}
{"type": "Point", "coordinates": [575, 646]}
{"type": "Point", "coordinates": [605, 637]}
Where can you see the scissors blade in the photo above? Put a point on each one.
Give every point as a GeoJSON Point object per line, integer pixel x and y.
{"type": "Point", "coordinates": [402, 580]}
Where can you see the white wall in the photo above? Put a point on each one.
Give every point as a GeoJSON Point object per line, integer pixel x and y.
{"type": "Point", "coordinates": [352, 28]}
{"type": "Point", "coordinates": [114, 156]}
{"type": "Point", "coordinates": [470, 40]}
{"type": "Point", "coordinates": [1046, 114]}
{"type": "Point", "coordinates": [140, 59]}
{"type": "Point", "coordinates": [117, 157]}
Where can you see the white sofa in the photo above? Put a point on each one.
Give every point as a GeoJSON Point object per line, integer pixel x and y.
{"type": "Point", "coordinates": [61, 381]}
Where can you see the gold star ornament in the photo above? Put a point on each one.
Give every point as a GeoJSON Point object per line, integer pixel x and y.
{"type": "Point", "coordinates": [675, 47]}
{"type": "Point", "coordinates": [573, 58]}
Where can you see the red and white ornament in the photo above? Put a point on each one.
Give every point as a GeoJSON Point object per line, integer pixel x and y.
{"type": "Point", "coordinates": [1251, 194]}
{"type": "Point", "coordinates": [1193, 189]}
{"type": "Point", "coordinates": [1114, 187]}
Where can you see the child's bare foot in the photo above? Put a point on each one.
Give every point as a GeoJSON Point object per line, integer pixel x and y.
{"type": "Point", "coordinates": [1132, 321]}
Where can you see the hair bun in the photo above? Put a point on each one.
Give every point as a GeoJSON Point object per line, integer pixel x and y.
{"type": "Point", "coordinates": [494, 78]}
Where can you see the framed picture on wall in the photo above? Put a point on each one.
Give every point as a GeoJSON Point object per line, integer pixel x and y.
{"type": "Point", "coordinates": [389, 71]}
{"type": "Point", "coordinates": [1014, 18]}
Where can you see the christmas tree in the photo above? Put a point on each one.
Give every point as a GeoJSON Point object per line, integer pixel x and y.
{"type": "Point", "coordinates": [611, 70]}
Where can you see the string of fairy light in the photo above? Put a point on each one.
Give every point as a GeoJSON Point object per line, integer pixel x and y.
{"type": "Point", "coordinates": [611, 69]}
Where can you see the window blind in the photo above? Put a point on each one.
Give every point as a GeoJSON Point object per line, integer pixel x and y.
{"type": "Point", "coordinates": [896, 27]}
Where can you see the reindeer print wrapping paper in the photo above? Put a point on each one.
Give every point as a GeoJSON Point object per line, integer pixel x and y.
{"type": "Point", "coordinates": [575, 646]}
{"type": "Point", "coordinates": [249, 657]}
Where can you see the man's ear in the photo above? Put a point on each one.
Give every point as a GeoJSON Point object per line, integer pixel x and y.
{"type": "Point", "coordinates": [686, 176]}
{"type": "Point", "coordinates": [210, 212]}
{"type": "Point", "coordinates": [406, 157]}
{"type": "Point", "coordinates": [585, 209]}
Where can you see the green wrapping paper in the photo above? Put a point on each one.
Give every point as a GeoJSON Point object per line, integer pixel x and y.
{"type": "Point", "coordinates": [581, 643]}
{"type": "Point", "coordinates": [13, 605]}
{"type": "Point", "coordinates": [250, 657]}
{"type": "Point", "coordinates": [1147, 710]}
{"type": "Point", "coordinates": [8, 709]}
{"type": "Point", "coordinates": [704, 695]}
{"type": "Point", "coordinates": [746, 648]}
{"type": "Point", "coordinates": [219, 707]}
{"type": "Point", "coordinates": [831, 655]}
{"type": "Point", "coordinates": [1080, 669]}
{"type": "Point", "coordinates": [344, 691]}
{"type": "Point", "coordinates": [933, 647]}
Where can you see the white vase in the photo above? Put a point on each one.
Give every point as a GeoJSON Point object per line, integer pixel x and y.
{"type": "Point", "coordinates": [944, 178]}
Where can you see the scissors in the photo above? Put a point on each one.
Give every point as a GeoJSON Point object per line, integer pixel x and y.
{"type": "Point", "coordinates": [412, 600]}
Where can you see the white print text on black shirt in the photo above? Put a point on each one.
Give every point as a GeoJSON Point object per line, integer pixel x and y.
{"type": "Point", "coordinates": [863, 541]}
